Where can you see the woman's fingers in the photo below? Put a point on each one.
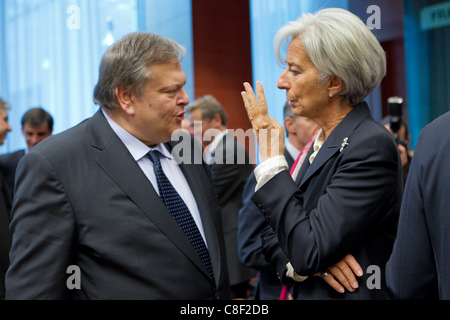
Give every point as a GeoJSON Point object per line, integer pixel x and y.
{"type": "Point", "coordinates": [331, 281]}
{"type": "Point", "coordinates": [248, 96]}
{"type": "Point", "coordinates": [256, 105]}
{"type": "Point", "coordinates": [247, 105]}
{"type": "Point", "coordinates": [342, 274]}
{"type": "Point", "coordinates": [269, 133]}
{"type": "Point", "coordinates": [261, 104]}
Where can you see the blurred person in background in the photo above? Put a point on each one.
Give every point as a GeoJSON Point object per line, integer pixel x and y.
{"type": "Point", "coordinates": [405, 153]}
{"type": "Point", "coordinates": [37, 124]}
{"type": "Point", "coordinates": [5, 204]}
{"type": "Point", "coordinates": [230, 166]}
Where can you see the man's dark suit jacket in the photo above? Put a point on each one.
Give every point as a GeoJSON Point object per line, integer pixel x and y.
{"type": "Point", "coordinates": [5, 236]}
{"type": "Point", "coordinates": [419, 265]}
{"type": "Point", "coordinates": [81, 199]}
{"type": "Point", "coordinates": [250, 228]}
{"type": "Point", "coordinates": [8, 166]}
{"type": "Point", "coordinates": [346, 201]}
{"type": "Point", "coordinates": [229, 171]}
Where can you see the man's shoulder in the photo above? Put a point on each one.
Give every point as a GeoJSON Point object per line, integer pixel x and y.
{"type": "Point", "coordinates": [8, 157]}
{"type": "Point", "coordinates": [437, 130]}
{"type": "Point", "coordinates": [66, 142]}
{"type": "Point", "coordinates": [434, 141]}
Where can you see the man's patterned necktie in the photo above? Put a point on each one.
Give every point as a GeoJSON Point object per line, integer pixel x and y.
{"type": "Point", "coordinates": [180, 211]}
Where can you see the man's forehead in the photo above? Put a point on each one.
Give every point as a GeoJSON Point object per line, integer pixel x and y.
{"type": "Point", "coordinates": [30, 127]}
{"type": "Point", "coordinates": [167, 73]}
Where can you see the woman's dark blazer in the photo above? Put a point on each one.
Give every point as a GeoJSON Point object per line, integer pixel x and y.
{"type": "Point", "coordinates": [346, 201]}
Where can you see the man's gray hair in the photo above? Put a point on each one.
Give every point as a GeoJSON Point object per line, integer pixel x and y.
{"type": "Point", "coordinates": [125, 64]}
{"type": "Point", "coordinates": [338, 43]}
{"type": "Point", "coordinates": [209, 107]}
{"type": "Point", "coordinates": [4, 105]}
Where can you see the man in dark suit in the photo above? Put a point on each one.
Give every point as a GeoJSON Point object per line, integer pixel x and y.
{"type": "Point", "coordinates": [5, 205]}
{"type": "Point", "coordinates": [37, 124]}
{"type": "Point", "coordinates": [418, 266]}
{"type": "Point", "coordinates": [230, 166]}
{"type": "Point", "coordinates": [105, 198]}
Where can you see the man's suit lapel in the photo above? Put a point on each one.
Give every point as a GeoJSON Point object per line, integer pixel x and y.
{"type": "Point", "coordinates": [334, 142]}
{"type": "Point", "coordinates": [114, 158]}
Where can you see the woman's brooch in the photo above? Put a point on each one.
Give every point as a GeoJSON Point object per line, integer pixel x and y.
{"type": "Point", "coordinates": [344, 144]}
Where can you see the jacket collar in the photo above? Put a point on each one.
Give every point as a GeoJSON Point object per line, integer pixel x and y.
{"type": "Point", "coordinates": [115, 159]}
{"type": "Point", "coordinates": [334, 142]}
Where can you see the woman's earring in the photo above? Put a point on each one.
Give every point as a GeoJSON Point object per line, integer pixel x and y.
{"type": "Point", "coordinates": [331, 96]}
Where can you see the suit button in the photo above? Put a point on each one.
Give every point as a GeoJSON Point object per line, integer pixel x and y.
{"type": "Point", "coordinates": [217, 295]}
{"type": "Point", "coordinates": [264, 212]}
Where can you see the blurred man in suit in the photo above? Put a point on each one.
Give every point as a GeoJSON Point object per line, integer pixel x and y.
{"type": "Point", "coordinates": [418, 266]}
{"type": "Point", "coordinates": [5, 205]}
{"type": "Point", "coordinates": [109, 200]}
{"type": "Point", "coordinates": [37, 124]}
{"type": "Point", "coordinates": [230, 166]}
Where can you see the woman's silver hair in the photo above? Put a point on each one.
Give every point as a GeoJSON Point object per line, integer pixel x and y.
{"type": "Point", "coordinates": [125, 64]}
{"type": "Point", "coordinates": [338, 43]}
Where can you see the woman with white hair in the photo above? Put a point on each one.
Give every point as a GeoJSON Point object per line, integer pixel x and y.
{"type": "Point", "coordinates": [346, 196]}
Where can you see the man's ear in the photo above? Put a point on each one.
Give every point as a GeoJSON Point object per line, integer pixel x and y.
{"type": "Point", "coordinates": [289, 125]}
{"type": "Point", "coordinates": [216, 120]}
{"type": "Point", "coordinates": [125, 98]}
{"type": "Point", "coordinates": [336, 85]}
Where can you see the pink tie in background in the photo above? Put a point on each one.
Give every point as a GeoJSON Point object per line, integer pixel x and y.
{"type": "Point", "coordinates": [286, 292]}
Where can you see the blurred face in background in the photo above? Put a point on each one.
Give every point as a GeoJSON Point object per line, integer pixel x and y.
{"type": "Point", "coordinates": [35, 134]}
{"type": "Point", "coordinates": [305, 129]}
{"type": "Point", "coordinates": [4, 125]}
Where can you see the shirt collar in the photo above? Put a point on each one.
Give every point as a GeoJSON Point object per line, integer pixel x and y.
{"type": "Point", "coordinates": [318, 142]}
{"type": "Point", "coordinates": [136, 147]}
{"type": "Point", "coordinates": [293, 151]}
{"type": "Point", "coordinates": [216, 141]}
